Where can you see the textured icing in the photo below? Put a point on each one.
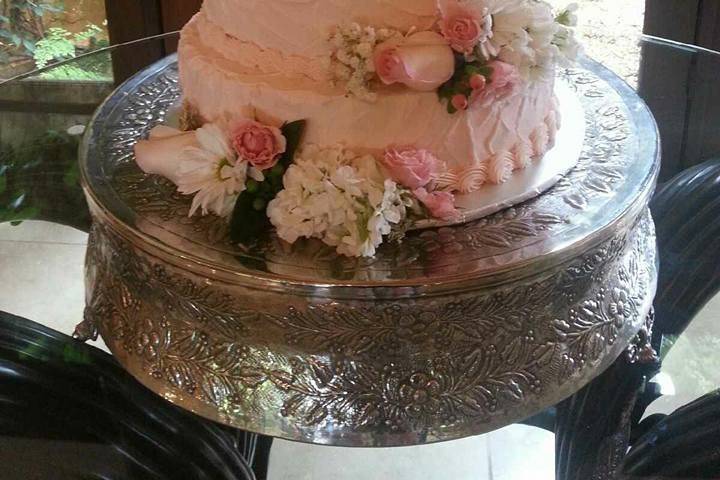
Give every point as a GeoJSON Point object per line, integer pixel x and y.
{"type": "Point", "coordinates": [224, 75]}
{"type": "Point", "coordinates": [301, 27]}
{"type": "Point", "coordinates": [499, 167]}
{"type": "Point", "coordinates": [249, 57]}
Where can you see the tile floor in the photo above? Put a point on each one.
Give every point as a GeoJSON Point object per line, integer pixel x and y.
{"type": "Point", "coordinates": [41, 278]}
{"type": "Point", "coordinates": [41, 272]}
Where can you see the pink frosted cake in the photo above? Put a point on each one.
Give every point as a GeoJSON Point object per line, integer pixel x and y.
{"type": "Point", "coordinates": [346, 120]}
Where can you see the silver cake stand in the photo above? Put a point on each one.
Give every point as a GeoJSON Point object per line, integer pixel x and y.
{"type": "Point", "coordinates": [454, 332]}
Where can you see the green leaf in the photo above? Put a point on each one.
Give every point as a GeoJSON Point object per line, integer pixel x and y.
{"type": "Point", "coordinates": [72, 176]}
{"type": "Point", "coordinates": [486, 71]}
{"type": "Point", "coordinates": [249, 219]}
{"type": "Point", "coordinates": [447, 90]}
{"type": "Point", "coordinates": [29, 45]}
{"type": "Point", "coordinates": [459, 62]}
{"type": "Point", "coordinates": [247, 222]}
{"type": "Point", "coordinates": [293, 133]}
{"type": "Point", "coordinates": [15, 218]}
{"type": "Point", "coordinates": [471, 69]}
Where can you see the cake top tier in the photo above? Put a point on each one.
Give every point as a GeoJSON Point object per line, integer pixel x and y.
{"type": "Point", "coordinates": [301, 27]}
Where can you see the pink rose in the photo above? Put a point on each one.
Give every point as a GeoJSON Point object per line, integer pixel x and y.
{"type": "Point", "coordinates": [440, 204]}
{"type": "Point", "coordinates": [389, 65]}
{"type": "Point", "coordinates": [410, 167]}
{"type": "Point", "coordinates": [504, 82]}
{"type": "Point", "coordinates": [258, 144]}
{"type": "Point", "coordinates": [464, 26]}
{"type": "Point", "coordinates": [423, 61]}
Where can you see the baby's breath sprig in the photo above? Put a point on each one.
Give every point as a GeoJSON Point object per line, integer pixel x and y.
{"type": "Point", "coordinates": [353, 57]}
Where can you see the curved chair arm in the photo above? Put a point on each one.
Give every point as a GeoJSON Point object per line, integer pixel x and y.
{"type": "Point", "coordinates": [687, 216]}
{"type": "Point", "coordinates": [594, 427]}
{"type": "Point", "coordinates": [56, 391]}
{"type": "Point", "coordinates": [682, 445]}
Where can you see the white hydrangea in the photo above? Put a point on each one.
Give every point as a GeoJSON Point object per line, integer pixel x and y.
{"type": "Point", "coordinates": [352, 59]}
{"type": "Point", "coordinates": [528, 35]}
{"type": "Point", "coordinates": [340, 198]}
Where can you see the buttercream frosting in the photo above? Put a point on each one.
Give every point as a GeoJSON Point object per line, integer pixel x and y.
{"type": "Point", "coordinates": [301, 27]}
{"type": "Point", "coordinates": [225, 70]}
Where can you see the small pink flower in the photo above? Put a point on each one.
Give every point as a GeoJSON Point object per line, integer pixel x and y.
{"type": "Point", "coordinates": [504, 82]}
{"type": "Point", "coordinates": [260, 145]}
{"type": "Point", "coordinates": [504, 75]}
{"type": "Point", "coordinates": [478, 82]}
{"type": "Point", "coordinates": [460, 102]}
{"type": "Point", "coordinates": [410, 167]}
{"type": "Point", "coordinates": [440, 204]}
{"type": "Point", "coordinates": [464, 26]}
{"type": "Point", "coordinates": [423, 61]}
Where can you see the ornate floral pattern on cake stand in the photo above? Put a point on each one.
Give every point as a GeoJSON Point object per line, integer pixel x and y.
{"type": "Point", "coordinates": [454, 332]}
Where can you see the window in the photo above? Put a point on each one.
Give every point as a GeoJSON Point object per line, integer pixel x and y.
{"type": "Point", "coordinates": [35, 34]}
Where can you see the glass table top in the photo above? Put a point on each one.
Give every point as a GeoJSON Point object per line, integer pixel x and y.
{"type": "Point", "coordinates": [68, 411]}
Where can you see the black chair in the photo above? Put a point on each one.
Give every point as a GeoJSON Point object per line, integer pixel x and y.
{"type": "Point", "coordinates": [67, 410]}
{"type": "Point", "coordinates": [595, 427]}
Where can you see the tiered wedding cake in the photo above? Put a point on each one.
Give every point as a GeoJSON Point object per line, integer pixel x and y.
{"type": "Point", "coordinates": [347, 120]}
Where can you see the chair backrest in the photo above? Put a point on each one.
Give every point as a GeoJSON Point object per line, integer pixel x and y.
{"type": "Point", "coordinates": [686, 212]}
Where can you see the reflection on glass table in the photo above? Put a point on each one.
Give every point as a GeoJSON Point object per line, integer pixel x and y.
{"type": "Point", "coordinates": [67, 407]}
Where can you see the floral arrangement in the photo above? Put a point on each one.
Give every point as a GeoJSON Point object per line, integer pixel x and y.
{"type": "Point", "coordinates": [478, 52]}
{"type": "Point", "coordinates": [252, 171]}
{"type": "Point", "coordinates": [233, 169]}
{"type": "Point", "coordinates": [351, 201]}
{"type": "Point", "coordinates": [254, 175]}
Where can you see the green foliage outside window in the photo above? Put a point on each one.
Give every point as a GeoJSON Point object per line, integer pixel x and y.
{"type": "Point", "coordinates": [59, 44]}
{"type": "Point", "coordinates": [22, 25]}
{"type": "Point", "coordinates": [24, 35]}
{"type": "Point", "coordinates": [40, 180]}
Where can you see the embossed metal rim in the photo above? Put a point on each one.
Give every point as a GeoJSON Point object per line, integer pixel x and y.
{"type": "Point", "coordinates": [564, 247]}
{"type": "Point", "coordinates": [598, 305]}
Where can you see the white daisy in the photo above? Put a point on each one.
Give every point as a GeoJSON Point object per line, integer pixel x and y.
{"type": "Point", "coordinates": [212, 173]}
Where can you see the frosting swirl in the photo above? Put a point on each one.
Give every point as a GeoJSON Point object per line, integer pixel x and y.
{"type": "Point", "coordinates": [500, 168]}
